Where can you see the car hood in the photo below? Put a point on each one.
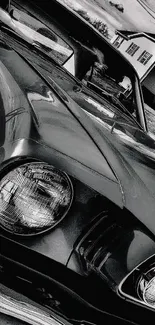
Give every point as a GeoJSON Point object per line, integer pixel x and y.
{"type": "Point", "coordinates": [119, 159]}
{"type": "Point", "coordinates": [131, 154]}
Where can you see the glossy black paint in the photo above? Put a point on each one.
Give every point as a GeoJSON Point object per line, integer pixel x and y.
{"type": "Point", "coordinates": [109, 158]}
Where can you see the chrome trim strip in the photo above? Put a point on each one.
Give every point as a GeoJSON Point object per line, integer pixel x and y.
{"type": "Point", "coordinates": [26, 312]}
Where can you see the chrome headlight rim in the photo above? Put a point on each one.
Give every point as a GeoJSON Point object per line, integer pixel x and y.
{"type": "Point", "coordinates": [20, 162]}
{"type": "Point", "coordinates": [142, 268]}
{"type": "Point", "coordinates": [143, 283]}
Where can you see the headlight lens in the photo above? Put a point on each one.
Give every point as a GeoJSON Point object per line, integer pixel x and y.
{"type": "Point", "coordinates": [34, 198]}
{"type": "Point", "coordinates": [146, 287]}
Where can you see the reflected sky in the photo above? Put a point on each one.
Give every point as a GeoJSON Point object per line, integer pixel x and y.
{"type": "Point", "coordinates": [135, 16]}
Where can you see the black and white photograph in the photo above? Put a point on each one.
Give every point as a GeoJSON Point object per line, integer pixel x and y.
{"type": "Point", "coordinates": [77, 162]}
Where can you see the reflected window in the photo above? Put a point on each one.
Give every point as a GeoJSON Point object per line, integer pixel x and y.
{"type": "Point", "coordinates": [132, 49]}
{"type": "Point", "coordinates": [144, 57]}
{"type": "Point", "coordinates": [118, 41]}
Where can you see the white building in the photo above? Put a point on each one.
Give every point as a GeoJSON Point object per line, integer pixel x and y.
{"type": "Point", "coordinates": [139, 49]}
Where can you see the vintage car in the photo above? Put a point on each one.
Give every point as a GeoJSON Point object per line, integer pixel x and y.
{"type": "Point", "coordinates": [77, 185]}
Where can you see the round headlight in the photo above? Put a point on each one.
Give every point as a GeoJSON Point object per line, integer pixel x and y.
{"type": "Point", "coordinates": [34, 197]}
{"type": "Point", "coordinates": [146, 287]}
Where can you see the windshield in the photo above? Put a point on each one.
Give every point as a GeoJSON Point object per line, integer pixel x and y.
{"type": "Point", "coordinates": [112, 82]}
{"type": "Point", "coordinates": [37, 34]}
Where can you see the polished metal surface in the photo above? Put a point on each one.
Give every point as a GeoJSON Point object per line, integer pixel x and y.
{"type": "Point", "coordinates": [17, 309]}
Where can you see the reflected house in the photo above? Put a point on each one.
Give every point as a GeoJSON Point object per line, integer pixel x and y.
{"type": "Point", "coordinates": [139, 49]}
